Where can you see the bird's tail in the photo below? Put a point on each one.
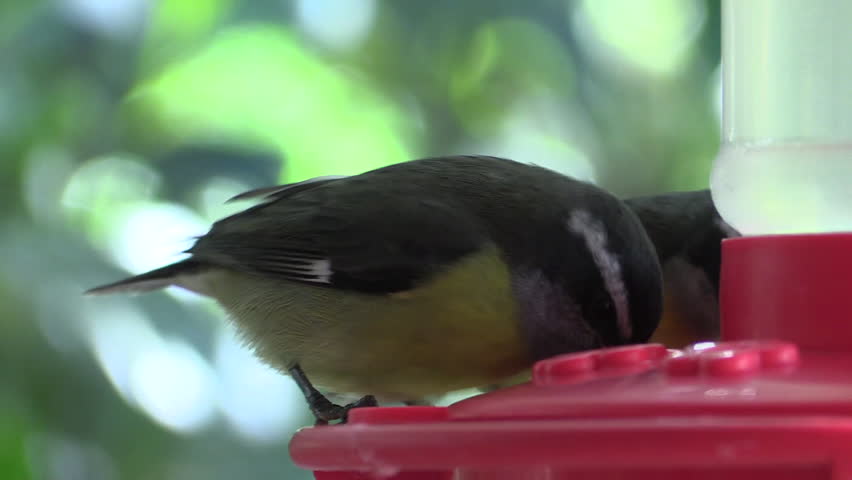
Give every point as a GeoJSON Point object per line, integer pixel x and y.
{"type": "Point", "coordinates": [153, 280]}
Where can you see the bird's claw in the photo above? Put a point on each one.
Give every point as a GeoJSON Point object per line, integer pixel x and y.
{"type": "Point", "coordinates": [326, 412]}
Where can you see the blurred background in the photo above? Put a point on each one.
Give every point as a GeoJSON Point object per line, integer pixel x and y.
{"type": "Point", "coordinates": [125, 125]}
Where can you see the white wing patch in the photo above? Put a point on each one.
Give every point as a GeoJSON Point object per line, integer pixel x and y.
{"type": "Point", "coordinates": [594, 235]}
{"type": "Point", "coordinates": [320, 270]}
{"type": "Point", "coordinates": [303, 269]}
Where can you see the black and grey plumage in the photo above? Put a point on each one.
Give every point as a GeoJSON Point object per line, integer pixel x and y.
{"type": "Point", "coordinates": [687, 232]}
{"type": "Point", "coordinates": [425, 277]}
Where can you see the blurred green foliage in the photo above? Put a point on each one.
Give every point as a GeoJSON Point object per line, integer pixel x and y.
{"type": "Point", "coordinates": [125, 124]}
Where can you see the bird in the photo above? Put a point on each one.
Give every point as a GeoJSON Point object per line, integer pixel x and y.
{"type": "Point", "coordinates": [687, 232]}
{"type": "Point", "coordinates": [423, 277]}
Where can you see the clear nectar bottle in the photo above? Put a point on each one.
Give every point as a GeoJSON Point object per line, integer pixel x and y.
{"type": "Point", "coordinates": [785, 164]}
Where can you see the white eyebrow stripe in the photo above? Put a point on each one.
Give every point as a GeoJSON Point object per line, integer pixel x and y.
{"type": "Point", "coordinates": [594, 235]}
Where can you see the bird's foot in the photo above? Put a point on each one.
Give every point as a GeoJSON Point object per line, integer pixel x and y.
{"type": "Point", "coordinates": [323, 409]}
{"type": "Point", "coordinates": [326, 412]}
{"type": "Point", "coordinates": [365, 401]}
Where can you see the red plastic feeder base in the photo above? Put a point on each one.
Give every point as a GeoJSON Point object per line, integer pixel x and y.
{"type": "Point", "coordinates": [774, 400]}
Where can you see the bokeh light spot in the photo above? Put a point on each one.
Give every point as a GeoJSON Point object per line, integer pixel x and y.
{"type": "Point", "coordinates": [150, 235]}
{"type": "Point", "coordinates": [174, 385]}
{"type": "Point", "coordinates": [496, 69]}
{"type": "Point", "coordinates": [260, 403]}
{"type": "Point", "coordinates": [538, 129]}
{"type": "Point", "coordinates": [652, 35]}
{"type": "Point", "coordinates": [113, 17]}
{"type": "Point", "coordinates": [214, 194]}
{"type": "Point", "coordinates": [340, 24]}
{"type": "Point", "coordinates": [118, 333]}
{"type": "Point", "coordinates": [99, 187]}
{"type": "Point", "coordinates": [256, 84]}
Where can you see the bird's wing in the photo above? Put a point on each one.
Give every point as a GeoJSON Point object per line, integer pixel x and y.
{"type": "Point", "coordinates": [344, 234]}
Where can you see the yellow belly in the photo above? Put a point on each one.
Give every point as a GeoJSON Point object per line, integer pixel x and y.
{"type": "Point", "coordinates": [460, 330]}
